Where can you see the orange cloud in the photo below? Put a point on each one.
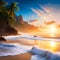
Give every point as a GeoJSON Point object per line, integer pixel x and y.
{"type": "Point", "coordinates": [35, 22]}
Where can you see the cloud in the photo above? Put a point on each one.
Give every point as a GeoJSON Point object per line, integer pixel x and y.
{"type": "Point", "coordinates": [48, 13]}
{"type": "Point", "coordinates": [46, 9]}
{"type": "Point", "coordinates": [41, 14]}
{"type": "Point", "coordinates": [33, 21]}
{"type": "Point", "coordinates": [38, 12]}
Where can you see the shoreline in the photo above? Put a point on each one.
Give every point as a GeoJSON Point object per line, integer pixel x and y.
{"type": "Point", "coordinates": [23, 56]}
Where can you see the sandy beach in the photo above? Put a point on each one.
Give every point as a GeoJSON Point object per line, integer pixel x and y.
{"type": "Point", "coordinates": [24, 56]}
{"type": "Point", "coordinates": [22, 42]}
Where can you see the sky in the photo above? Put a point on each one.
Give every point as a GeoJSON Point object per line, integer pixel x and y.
{"type": "Point", "coordinates": [38, 9]}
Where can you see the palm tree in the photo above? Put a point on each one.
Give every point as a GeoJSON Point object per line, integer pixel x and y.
{"type": "Point", "coordinates": [6, 16]}
{"type": "Point", "coordinates": [13, 8]}
{"type": "Point", "coordinates": [11, 12]}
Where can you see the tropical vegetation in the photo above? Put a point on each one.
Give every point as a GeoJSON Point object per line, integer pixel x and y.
{"type": "Point", "coordinates": [7, 18]}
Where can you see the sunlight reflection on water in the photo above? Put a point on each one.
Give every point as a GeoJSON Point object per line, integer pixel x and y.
{"type": "Point", "coordinates": [51, 44]}
{"type": "Point", "coordinates": [48, 45]}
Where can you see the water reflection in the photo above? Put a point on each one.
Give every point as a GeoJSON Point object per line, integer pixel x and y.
{"type": "Point", "coordinates": [50, 45]}
{"type": "Point", "coordinates": [52, 32]}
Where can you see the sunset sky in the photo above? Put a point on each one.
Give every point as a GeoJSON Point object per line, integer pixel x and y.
{"type": "Point", "coordinates": [42, 10]}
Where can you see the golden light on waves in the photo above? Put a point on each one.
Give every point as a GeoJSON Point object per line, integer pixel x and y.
{"type": "Point", "coordinates": [47, 45]}
{"type": "Point", "coordinates": [52, 44]}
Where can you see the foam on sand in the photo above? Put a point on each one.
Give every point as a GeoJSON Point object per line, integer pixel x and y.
{"type": "Point", "coordinates": [13, 49]}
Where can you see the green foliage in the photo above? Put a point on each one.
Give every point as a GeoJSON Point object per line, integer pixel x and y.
{"type": "Point", "coordinates": [7, 14]}
{"type": "Point", "coordinates": [10, 10]}
{"type": "Point", "coordinates": [2, 4]}
{"type": "Point", "coordinates": [13, 7]}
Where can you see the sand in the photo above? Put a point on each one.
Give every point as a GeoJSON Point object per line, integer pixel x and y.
{"type": "Point", "coordinates": [24, 56]}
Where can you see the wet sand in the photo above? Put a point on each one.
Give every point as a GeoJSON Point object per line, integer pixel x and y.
{"type": "Point", "coordinates": [24, 56]}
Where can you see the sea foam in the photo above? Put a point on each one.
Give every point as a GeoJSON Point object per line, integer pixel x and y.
{"type": "Point", "coordinates": [13, 49]}
{"type": "Point", "coordinates": [39, 54]}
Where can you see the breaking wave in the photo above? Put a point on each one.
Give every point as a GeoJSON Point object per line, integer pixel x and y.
{"type": "Point", "coordinates": [39, 54]}
{"type": "Point", "coordinates": [13, 49]}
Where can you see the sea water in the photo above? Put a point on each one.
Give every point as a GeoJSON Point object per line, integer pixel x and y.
{"type": "Point", "coordinates": [37, 55]}
{"type": "Point", "coordinates": [13, 49]}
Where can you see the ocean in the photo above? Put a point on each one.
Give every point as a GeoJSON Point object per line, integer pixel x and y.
{"type": "Point", "coordinates": [41, 48]}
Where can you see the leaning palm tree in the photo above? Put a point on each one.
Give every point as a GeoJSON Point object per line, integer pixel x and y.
{"type": "Point", "coordinates": [11, 12]}
{"type": "Point", "coordinates": [13, 8]}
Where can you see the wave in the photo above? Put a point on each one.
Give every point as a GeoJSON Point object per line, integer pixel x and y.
{"type": "Point", "coordinates": [39, 54]}
{"type": "Point", "coordinates": [13, 49]}
{"type": "Point", "coordinates": [18, 37]}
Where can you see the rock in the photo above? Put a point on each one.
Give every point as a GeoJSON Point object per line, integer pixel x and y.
{"type": "Point", "coordinates": [2, 39]}
{"type": "Point", "coordinates": [11, 31]}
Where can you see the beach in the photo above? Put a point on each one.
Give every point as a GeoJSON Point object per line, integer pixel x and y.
{"type": "Point", "coordinates": [24, 56]}
{"type": "Point", "coordinates": [21, 56]}
{"type": "Point", "coordinates": [18, 47]}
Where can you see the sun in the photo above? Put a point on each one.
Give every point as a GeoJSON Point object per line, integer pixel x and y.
{"type": "Point", "coordinates": [52, 44]}
{"type": "Point", "coordinates": [52, 29]}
